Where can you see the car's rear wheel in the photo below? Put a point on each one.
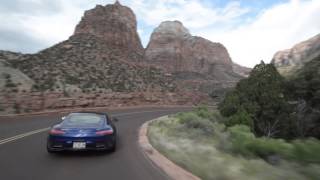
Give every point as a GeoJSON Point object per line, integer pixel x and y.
{"type": "Point", "coordinates": [114, 146]}
{"type": "Point", "coordinates": [49, 150]}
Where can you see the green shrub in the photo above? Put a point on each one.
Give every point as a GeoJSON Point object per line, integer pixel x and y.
{"type": "Point", "coordinates": [205, 113]}
{"type": "Point", "coordinates": [193, 121]}
{"type": "Point", "coordinates": [244, 142]}
{"type": "Point", "coordinates": [240, 136]}
{"type": "Point", "coordinates": [241, 117]}
{"type": "Point", "coordinates": [307, 150]}
{"type": "Point", "coordinates": [185, 116]}
{"type": "Point", "coordinates": [10, 84]}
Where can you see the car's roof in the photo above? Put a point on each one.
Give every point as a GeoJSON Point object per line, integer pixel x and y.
{"type": "Point", "coordinates": [84, 119]}
{"type": "Point", "coordinates": [89, 112]}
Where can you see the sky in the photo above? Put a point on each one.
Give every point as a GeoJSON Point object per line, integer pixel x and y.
{"type": "Point", "coordinates": [251, 30]}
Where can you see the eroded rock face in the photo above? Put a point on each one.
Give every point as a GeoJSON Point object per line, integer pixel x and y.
{"type": "Point", "coordinates": [102, 55]}
{"type": "Point", "coordinates": [243, 71]}
{"type": "Point", "coordinates": [174, 49]}
{"type": "Point", "coordinates": [115, 24]}
{"type": "Point", "coordinates": [102, 59]}
{"type": "Point", "coordinates": [12, 79]}
{"type": "Point", "coordinates": [290, 60]}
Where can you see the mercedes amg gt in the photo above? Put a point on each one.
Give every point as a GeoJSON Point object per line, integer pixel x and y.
{"type": "Point", "coordinates": [83, 131]}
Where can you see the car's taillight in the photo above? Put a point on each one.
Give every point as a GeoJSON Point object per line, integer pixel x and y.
{"type": "Point", "coordinates": [56, 132]}
{"type": "Point", "coordinates": [105, 132]}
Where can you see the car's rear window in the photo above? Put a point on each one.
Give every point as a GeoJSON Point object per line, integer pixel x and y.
{"type": "Point", "coordinates": [83, 119]}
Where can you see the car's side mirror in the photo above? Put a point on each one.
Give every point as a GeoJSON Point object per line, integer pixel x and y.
{"type": "Point", "coordinates": [115, 119]}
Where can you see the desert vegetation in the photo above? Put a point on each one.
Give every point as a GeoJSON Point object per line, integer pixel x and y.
{"type": "Point", "coordinates": [273, 106]}
{"type": "Point", "coordinates": [267, 127]}
{"type": "Point", "coordinates": [200, 142]}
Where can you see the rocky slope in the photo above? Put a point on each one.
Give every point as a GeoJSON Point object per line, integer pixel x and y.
{"type": "Point", "coordinates": [98, 56]}
{"type": "Point", "coordinates": [104, 64]}
{"type": "Point", "coordinates": [190, 58]}
{"type": "Point", "coordinates": [86, 63]}
{"type": "Point", "coordinates": [290, 60]}
{"type": "Point", "coordinates": [116, 25]}
{"type": "Point", "coordinates": [241, 70]}
{"type": "Point", "coordinates": [10, 78]}
{"type": "Point", "coordinates": [96, 66]}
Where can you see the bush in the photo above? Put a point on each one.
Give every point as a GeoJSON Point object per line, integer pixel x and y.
{"type": "Point", "coordinates": [205, 113]}
{"type": "Point", "coordinates": [192, 120]}
{"type": "Point", "coordinates": [241, 117]}
{"type": "Point", "coordinates": [244, 142]}
{"type": "Point", "coordinates": [307, 150]}
{"type": "Point", "coordinates": [10, 84]}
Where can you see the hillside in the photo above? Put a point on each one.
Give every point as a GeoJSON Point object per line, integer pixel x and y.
{"type": "Point", "coordinates": [291, 60]}
{"type": "Point", "coordinates": [104, 64]}
{"type": "Point", "coordinates": [195, 62]}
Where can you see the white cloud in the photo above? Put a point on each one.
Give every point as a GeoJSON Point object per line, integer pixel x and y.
{"type": "Point", "coordinates": [248, 39]}
{"type": "Point", "coordinates": [274, 29]}
{"type": "Point", "coordinates": [41, 22]}
{"type": "Point", "coordinates": [193, 13]}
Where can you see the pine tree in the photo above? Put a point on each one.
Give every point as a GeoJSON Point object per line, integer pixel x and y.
{"type": "Point", "coordinates": [260, 102]}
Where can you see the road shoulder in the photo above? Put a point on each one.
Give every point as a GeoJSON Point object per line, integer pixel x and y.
{"type": "Point", "coordinates": [171, 169]}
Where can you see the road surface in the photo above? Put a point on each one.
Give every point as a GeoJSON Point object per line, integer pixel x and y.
{"type": "Point", "coordinates": [23, 154]}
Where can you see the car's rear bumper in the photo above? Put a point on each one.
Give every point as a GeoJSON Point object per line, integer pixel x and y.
{"type": "Point", "coordinates": [61, 143]}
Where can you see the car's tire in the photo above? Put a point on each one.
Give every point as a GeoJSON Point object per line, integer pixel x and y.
{"type": "Point", "coordinates": [114, 147]}
{"type": "Point", "coordinates": [50, 151]}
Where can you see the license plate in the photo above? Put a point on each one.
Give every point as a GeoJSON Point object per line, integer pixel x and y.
{"type": "Point", "coordinates": [79, 145]}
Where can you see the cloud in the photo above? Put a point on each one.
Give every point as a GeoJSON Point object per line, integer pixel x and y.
{"type": "Point", "coordinates": [250, 32]}
{"type": "Point", "coordinates": [28, 7]}
{"type": "Point", "coordinates": [195, 14]}
{"type": "Point", "coordinates": [274, 29]}
{"type": "Point", "coordinates": [32, 25]}
{"type": "Point", "coordinates": [248, 39]}
{"type": "Point", "coordinates": [17, 41]}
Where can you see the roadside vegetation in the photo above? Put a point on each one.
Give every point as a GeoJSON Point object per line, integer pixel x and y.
{"type": "Point", "coordinates": [267, 127]}
{"type": "Point", "coordinates": [273, 106]}
{"type": "Point", "coordinates": [199, 142]}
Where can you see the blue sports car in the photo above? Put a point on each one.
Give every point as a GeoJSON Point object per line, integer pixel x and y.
{"type": "Point", "coordinates": [83, 131]}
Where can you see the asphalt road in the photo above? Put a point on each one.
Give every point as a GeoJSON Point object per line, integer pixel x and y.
{"type": "Point", "coordinates": [26, 158]}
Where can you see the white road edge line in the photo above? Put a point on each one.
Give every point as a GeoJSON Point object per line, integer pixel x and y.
{"type": "Point", "coordinates": [14, 138]}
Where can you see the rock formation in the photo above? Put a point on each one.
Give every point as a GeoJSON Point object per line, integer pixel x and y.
{"type": "Point", "coordinates": [172, 47]}
{"type": "Point", "coordinates": [99, 56]}
{"type": "Point", "coordinates": [104, 64]}
{"type": "Point", "coordinates": [97, 66]}
{"type": "Point", "coordinates": [10, 78]}
{"type": "Point", "coordinates": [116, 25]}
{"type": "Point", "coordinates": [241, 70]}
{"type": "Point", "coordinates": [199, 63]}
{"type": "Point", "coordinates": [290, 60]}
